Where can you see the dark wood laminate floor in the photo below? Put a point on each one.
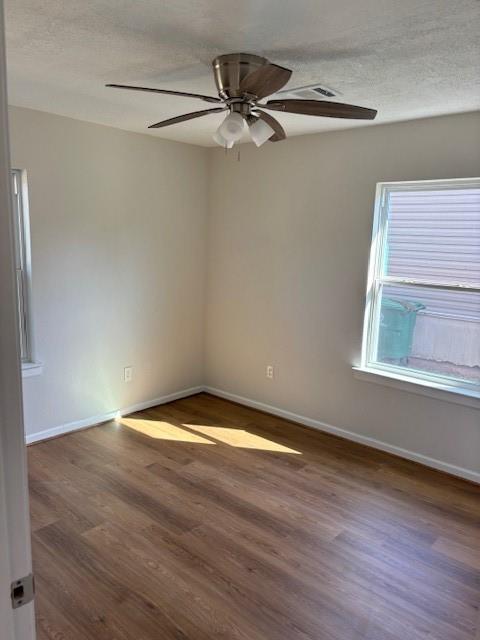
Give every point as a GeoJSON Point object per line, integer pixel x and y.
{"type": "Point", "coordinates": [204, 520]}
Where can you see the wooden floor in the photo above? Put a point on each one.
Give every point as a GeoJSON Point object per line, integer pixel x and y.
{"type": "Point", "coordinates": [202, 519]}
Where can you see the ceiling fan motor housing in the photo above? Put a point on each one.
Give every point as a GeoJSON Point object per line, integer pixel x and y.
{"type": "Point", "coordinates": [229, 71]}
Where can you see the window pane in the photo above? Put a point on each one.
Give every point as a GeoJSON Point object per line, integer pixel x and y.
{"type": "Point", "coordinates": [21, 315]}
{"type": "Point", "coordinates": [20, 258]}
{"type": "Point", "coordinates": [434, 235]}
{"type": "Point", "coordinates": [431, 330]}
{"type": "Point", "coordinates": [17, 223]}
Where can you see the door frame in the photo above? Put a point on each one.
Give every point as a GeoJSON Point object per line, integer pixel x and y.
{"type": "Point", "coordinates": [15, 546]}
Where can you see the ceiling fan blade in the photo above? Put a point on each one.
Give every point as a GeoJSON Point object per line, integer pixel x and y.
{"type": "Point", "coordinates": [186, 116]}
{"type": "Point", "coordinates": [276, 126]}
{"type": "Point", "coordinates": [265, 80]}
{"type": "Point", "coordinates": [323, 108]}
{"type": "Point", "coordinates": [172, 93]}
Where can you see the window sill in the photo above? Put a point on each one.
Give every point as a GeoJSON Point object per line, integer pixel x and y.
{"type": "Point", "coordinates": [31, 369]}
{"type": "Point", "coordinates": [436, 390]}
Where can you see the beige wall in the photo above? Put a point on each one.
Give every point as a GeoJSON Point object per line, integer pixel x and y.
{"type": "Point", "coordinates": [119, 231]}
{"type": "Point", "coordinates": [289, 239]}
{"type": "Point", "coordinates": [118, 225]}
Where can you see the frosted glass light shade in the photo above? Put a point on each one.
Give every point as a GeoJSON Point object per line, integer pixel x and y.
{"type": "Point", "coordinates": [232, 127]}
{"type": "Point", "coordinates": [260, 132]}
{"type": "Point", "coordinates": [219, 139]}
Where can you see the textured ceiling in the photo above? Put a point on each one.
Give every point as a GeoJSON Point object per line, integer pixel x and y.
{"type": "Point", "coordinates": [406, 58]}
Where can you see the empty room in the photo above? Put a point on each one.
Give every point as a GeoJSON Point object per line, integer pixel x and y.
{"type": "Point", "coordinates": [240, 320]}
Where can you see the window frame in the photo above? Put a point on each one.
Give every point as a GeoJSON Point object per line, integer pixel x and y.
{"type": "Point", "coordinates": [21, 224]}
{"type": "Point", "coordinates": [376, 279]}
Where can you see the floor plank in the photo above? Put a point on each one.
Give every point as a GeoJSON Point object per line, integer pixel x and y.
{"type": "Point", "coordinates": [202, 519]}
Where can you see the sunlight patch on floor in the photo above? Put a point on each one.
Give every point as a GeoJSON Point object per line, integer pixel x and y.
{"type": "Point", "coordinates": [162, 430]}
{"type": "Point", "coordinates": [240, 438]}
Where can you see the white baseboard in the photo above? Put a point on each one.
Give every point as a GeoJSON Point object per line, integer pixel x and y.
{"type": "Point", "coordinates": [104, 417]}
{"type": "Point", "coordinates": [467, 474]}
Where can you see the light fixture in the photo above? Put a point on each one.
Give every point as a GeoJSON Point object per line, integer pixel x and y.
{"type": "Point", "coordinates": [260, 131]}
{"type": "Point", "coordinates": [230, 130]}
{"type": "Point", "coordinates": [219, 139]}
{"type": "Point", "coordinates": [233, 125]}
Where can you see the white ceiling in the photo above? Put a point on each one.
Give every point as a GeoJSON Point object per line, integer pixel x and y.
{"type": "Point", "coordinates": [406, 58]}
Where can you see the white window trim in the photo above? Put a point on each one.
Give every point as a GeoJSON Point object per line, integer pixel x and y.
{"type": "Point", "coordinates": [416, 382]}
{"type": "Point", "coordinates": [30, 369]}
{"type": "Point", "coordinates": [419, 387]}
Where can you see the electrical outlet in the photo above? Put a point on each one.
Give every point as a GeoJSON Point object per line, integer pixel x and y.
{"type": "Point", "coordinates": [128, 374]}
{"type": "Point", "coordinates": [269, 371]}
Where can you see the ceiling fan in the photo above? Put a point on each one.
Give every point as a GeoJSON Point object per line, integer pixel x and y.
{"type": "Point", "coordinates": [243, 80]}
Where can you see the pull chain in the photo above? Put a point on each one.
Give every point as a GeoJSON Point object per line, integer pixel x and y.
{"type": "Point", "coordinates": [226, 150]}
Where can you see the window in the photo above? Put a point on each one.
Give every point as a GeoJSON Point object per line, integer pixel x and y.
{"type": "Point", "coordinates": [22, 260]}
{"type": "Point", "coordinates": [422, 319]}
